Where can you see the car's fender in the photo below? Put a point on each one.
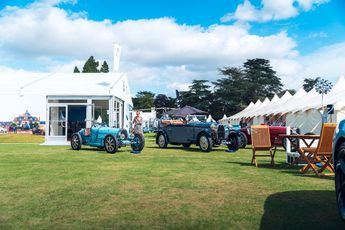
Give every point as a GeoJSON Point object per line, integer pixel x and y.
{"type": "Point", "coordinates": [202, 132]}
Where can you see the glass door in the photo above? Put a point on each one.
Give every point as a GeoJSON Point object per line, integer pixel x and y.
{"type": "Point", "coordinates": [58, 123]}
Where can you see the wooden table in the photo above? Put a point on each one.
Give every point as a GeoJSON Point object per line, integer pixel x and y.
{"type": "Point", "coordinates": [308, 140]}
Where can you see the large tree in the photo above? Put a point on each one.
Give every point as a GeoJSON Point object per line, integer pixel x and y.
{"type": "Point", "coordinates": [199, 95]}
{"type": "Point", "coordinates": [229, 92]}
{"type": "Point", "coordinates": [143, 100]}
{"type": "Point", "coordinates": [261, 79]}
{"type": "Point", "coordinates": [104, 67]}
{"type": "Point", "coordinates": [255, 80]}
{"type": "Point", "coordinates": [91, 66]}
{"type": "Point", "coordinates": [309, 83]}
{"type": "Point", "coordinates": [162, 100]}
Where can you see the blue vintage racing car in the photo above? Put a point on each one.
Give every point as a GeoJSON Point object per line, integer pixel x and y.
{"type": "Point", "coordinates": [206, 135]}
{"type": "Point", "coordinates": [111, 139]}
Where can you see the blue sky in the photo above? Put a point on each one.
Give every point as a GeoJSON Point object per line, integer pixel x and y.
{"type": "Point", "coordinates": [296, 35]}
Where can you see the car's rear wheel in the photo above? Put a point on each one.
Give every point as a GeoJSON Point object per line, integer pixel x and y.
{"type": "Point", "coordinates": [110, 144]}
{"type": "Point", "coordinates": [75, 142]}
{"type": "Point", "coordinates": [243, 140]}
{"type": "Point", "coordinates": [162, 141]}
{"type": "Point", "coordinates": [138, 142]}
{"type": "Point", "coordinates": [205, 143]}
{"type": "Point", "coordinates": [340, 180]}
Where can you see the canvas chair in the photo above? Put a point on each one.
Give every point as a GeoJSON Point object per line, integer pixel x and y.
{"type": "Point", "coordinates": [322, 153]}
{"type": "Point", "coordinates": [261, 141]}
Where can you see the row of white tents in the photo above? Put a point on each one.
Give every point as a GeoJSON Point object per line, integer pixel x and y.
{"type": "Point", "coordinates": [302, 110]}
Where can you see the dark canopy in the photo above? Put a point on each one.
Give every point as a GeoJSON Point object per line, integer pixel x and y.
{"type": "Point", "coordinates": [184, 111]}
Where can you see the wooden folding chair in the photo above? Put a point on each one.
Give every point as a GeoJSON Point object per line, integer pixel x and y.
{"type": "Point", "coordinates": [322, 153]}
{"type": "Point", "coordinates": [261, 141]}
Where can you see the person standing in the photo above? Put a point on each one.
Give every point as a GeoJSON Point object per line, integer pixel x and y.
{"type": "Point", "coordinates": [137, 123]}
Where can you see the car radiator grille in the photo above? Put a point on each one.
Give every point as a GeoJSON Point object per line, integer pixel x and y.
{"type": "Point", "coordinates": [221, 132]}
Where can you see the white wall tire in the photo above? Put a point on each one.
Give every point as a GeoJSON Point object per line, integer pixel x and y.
{"type": "Point", "coordinates": [205, 143]}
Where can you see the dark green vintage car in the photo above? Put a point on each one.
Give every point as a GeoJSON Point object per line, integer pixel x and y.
{"type": "Point", "coordinates": [206, 135]}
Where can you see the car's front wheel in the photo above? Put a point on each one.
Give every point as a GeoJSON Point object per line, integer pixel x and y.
{"type": "Point", "coordinates": [138, 142]}
{"type": "Point", "coordinates": [110, 144]}
{"type": "Point", "coordinates": [162, 141]}
{"type": "Point", "coordinates": [205, 143]}
{"type": "Point", "coordinates": [75, 142]}
{"type": "Point", "coordinates": [340, 180]}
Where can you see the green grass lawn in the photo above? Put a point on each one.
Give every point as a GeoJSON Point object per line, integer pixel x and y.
{"type": "Point", "coordinates": [44, 187]}
{"type": "Point", "coordinates": [21, 138]}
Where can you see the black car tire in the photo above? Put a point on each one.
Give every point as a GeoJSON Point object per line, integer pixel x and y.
{"type": "Point", "coordinates": [243, 140]}
{"type": "Point", "coordinates": [138, 142]}
{"type": "Point", "coordinates": [233, 142]}
{"type": "Point", "coordinates": [162, 141]}
{"type": "Point", "coordinates": [340, 180]}
{"type": "Point", "coordinates": [75, 142]}
{"type": "Point", "coordinates": [205, 143]}
{"type": "Point", "coordinates": [186, 145]}
{"type": "Point", "coordinates": [110, 144]}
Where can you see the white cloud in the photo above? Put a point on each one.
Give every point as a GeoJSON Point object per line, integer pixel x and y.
{"type": "Point", "coordinates": [320, 34]}
{"type": "Point", "coordinates": [271, 10]}
{"type": "Point", "coordinates": [158, 54]}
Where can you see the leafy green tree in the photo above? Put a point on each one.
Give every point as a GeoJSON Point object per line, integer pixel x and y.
{"type": "Point", "coordinates": [76, 70]}
{"type": "Point", "coordinates": [162, 100]}
{"type": "Point", "coordinates": [230, 92]}
{"type": "Point", "coordinates": [143, 100]}
{"type": "Point", "coordinates": [91, 66]}
{"type": "Point", "coordinates": [199, 95]}
{"type": "Point", "coordinates": [104, 67]}
{"type": "Point", "coordinates": [255, 80]}
{"type": "Point", "coordinates": [261, 79]}
{"type": "Point", "coordinates": [309, 83]}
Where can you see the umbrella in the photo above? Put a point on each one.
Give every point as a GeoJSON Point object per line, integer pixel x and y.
{"type": "Point", "coordinates": [187, 110]}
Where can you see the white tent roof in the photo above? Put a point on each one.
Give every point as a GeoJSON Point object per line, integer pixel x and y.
{"type": "Point", "coordinates": [336, 96]}
{"type": "Point", "coordinates": [253, 112]}
{"type": "Point", "coordinates": [29, 90]}
{"type": "Point", "coordinates": [257, 104]}
{"type": "Point", "coordinates": [237, 115]}
{"type": "Point", "coordinates": [282, 105]}
{"type": "Point", "coordinates": [263, 109]}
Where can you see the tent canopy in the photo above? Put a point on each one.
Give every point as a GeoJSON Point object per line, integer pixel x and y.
{"type": "Point", "coordinates": [185, 111]}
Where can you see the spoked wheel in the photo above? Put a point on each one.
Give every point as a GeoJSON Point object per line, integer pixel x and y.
{"type": "Point", "coordinates": [138, 142]}
{"type": "Point", "coordinates": [340, 180]}
{"type": "Point", "coordinates": [205, 143]}
{"type": "Point", "coordinates": [162, 141]}
{"type": "Point", "coordinates": [110, 144]}
{"type": "Point", "coordinates": [75, 142]}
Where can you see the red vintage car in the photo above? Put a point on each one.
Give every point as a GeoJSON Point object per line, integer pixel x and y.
{"type": "Point", "coordinates": [275, 131]}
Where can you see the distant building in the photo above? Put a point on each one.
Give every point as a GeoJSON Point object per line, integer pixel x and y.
{"type": "Point", "coordinates": [25, 121]}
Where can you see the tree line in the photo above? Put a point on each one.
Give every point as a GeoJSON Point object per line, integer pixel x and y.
{"type": "Point", "coordinates": [91, 66]}
{"type": "Point", "coordinates": [237, 86]}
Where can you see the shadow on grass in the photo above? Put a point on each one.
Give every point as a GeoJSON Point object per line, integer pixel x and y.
{"type": "Point", "coordinates": [284, 168]}
{"type": "Point", "coordinates": [191, 149]}
{"type": "Point", "coordinates": [301, 210]}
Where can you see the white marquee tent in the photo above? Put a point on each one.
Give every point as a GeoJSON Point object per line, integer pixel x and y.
{"type": "Point", "coordinates": [79, 97]}
{"type": "Point", "coordinates": [302, 110]}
